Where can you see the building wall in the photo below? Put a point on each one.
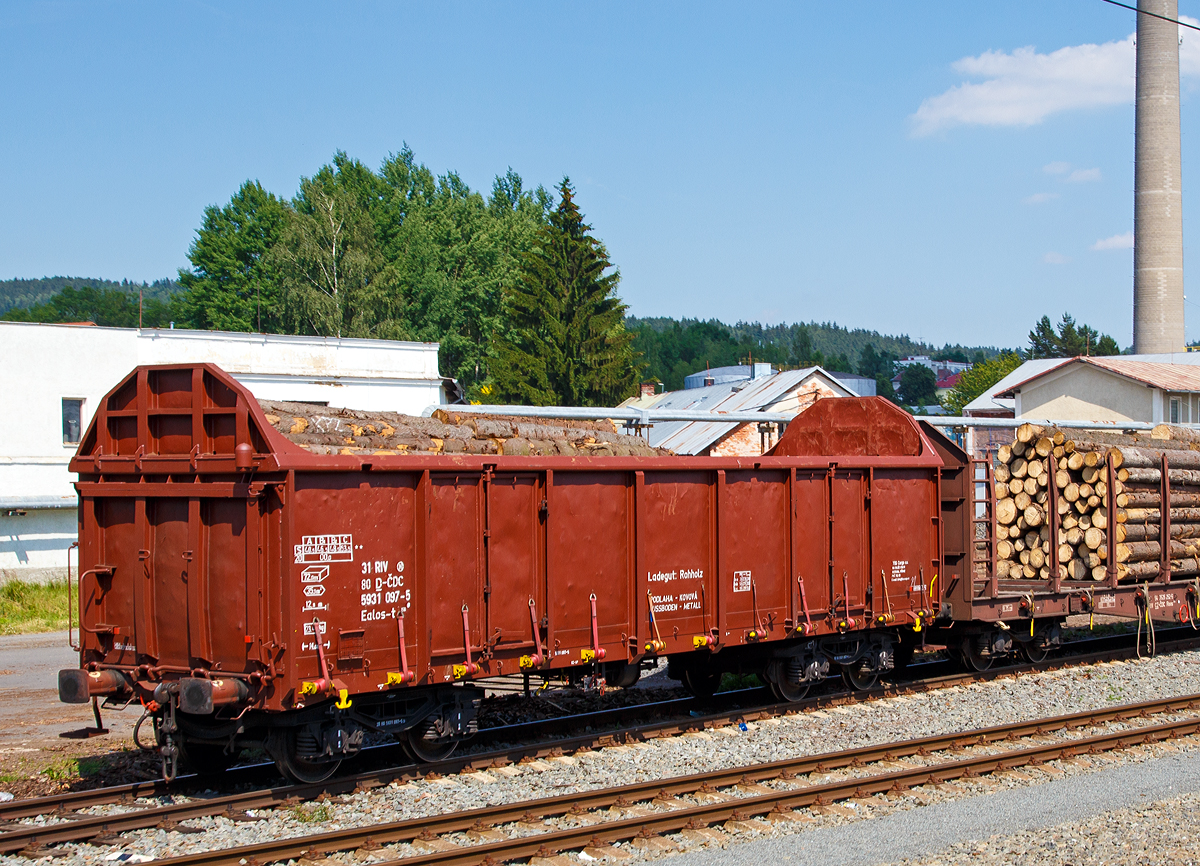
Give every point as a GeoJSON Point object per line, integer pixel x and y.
{"type": "Point", "coordinates": [40, 365]}
{"type": "Point", "coordinates": [1085, 393]}
{"type": "Point", "coordinates": [33, 546]}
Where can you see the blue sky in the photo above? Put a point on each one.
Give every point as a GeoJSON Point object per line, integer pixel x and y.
{"type": "Point", "coordinates": [951, 171]}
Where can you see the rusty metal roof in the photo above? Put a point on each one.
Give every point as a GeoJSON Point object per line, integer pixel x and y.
{"type": "Point", "coordinates": [1168, 377]}
{"type": "Point", "coordinates": [750, 395]}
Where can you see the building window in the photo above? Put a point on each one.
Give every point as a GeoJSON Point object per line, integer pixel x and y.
{"type": "Point", "coordinates": [1176, 411]}
{"type": "Point", "coordinates": [72, 414]}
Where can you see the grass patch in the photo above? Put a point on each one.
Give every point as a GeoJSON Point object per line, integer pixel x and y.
{"type": "Point", "coordinates": [61, 771]}
{"type": "Point", "coordinates": [312, 813]}
{"type": "Point", "coordinates": [729, 682]}
{"type": "Point", "coordinates": [26, 608]}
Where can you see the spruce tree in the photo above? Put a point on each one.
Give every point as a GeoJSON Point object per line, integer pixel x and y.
{"type": "Point", "coordinates": [566, 342]}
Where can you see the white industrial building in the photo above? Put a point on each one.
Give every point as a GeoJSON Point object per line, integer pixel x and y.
{"type": "Point", "coordinates": [52, 377]}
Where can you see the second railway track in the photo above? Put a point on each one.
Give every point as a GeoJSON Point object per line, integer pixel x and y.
{"type": "Point", "coordinates": [746, 795]}
{"type": "Point", "coordinates": [68, 824]}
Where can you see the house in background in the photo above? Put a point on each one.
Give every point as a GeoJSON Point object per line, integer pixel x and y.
{"type": "Point", "coordinates": [52, 378]}
{"type": "Point", "coordinates": [788, 392]}
{"type": "Point", "coordinates": [1117, 388]}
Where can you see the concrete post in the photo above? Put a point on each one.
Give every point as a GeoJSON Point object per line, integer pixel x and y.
{"type": "Point", "coordinates": [1158, 192]}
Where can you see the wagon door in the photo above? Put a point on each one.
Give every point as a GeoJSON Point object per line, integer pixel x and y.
{"type": "Point", "coordinates": [513, 537]}
{"type": "Point", "coordinates": [454, 566]}
{"type": "Point", "coordinates": [754, 517]}
{"type": "Point", "coordinates": [849, 547]}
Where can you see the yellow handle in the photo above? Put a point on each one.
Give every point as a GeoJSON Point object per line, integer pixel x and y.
{"type": "Point", "coordinates": [343, 702]}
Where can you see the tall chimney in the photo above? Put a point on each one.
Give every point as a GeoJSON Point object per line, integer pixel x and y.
{"type": "Point", "coordinates": [1158, 193]}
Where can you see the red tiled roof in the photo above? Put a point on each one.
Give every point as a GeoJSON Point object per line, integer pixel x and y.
{"type": "Point", "coordinates": [1168, 377]}
{"type": "Point", "coordinates": [949, 381]}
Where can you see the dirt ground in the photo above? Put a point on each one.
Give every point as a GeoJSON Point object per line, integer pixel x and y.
{"type": "Point", "coordinates": [44, 744]}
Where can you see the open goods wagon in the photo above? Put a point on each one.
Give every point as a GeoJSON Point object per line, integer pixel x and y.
{"type": "Point", "coordinates": [251, 593]}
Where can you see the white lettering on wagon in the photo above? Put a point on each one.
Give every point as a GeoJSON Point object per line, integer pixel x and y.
{"type": "Point", "coordinates": [899, 570]}
{"type": "Point", "coordinates": [314, 590]}
{"type": "Point", "coordinates": [678, 574]}
{"type": "Point", "coordinates": [314, 574]}
{"type": "Point", "coordinates": [325, 548]}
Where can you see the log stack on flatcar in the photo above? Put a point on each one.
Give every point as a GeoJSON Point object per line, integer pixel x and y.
{"type": "Point", "coordinates": [1069, 471]}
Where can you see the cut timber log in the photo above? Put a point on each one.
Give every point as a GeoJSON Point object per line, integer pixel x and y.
{"type": "Point", "coordinates": [1145, 458]}
{"type": "Point", "coordinates": [1027, 433]}
{"type": "Point", "coordinates": [1186, 567]}
{"type": "Point", "coordinates": [1145, 551]}
{"type": "Point", "coordinates": [1153, 515]}
{"type": "Point", "coordinates": [1144, 499]}
{"type": "Point", "coordinates": [1176, 434]}
{"type": "Point", "coordinates": [1152, 531]}
{"type": "Point", "coordinates": [1154, 476]}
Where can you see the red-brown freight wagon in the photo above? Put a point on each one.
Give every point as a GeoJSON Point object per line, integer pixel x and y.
{"type": "Point", "coordinates": [251, 593]}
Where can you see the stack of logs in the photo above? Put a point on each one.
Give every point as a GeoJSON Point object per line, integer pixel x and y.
{"type": "Point", "coordinates": [1075, 463]}
{"type": "Point", "coordinates": [324, 430]}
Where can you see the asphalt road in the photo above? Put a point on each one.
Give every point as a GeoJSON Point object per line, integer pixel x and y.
{"type": "Point", "coordinates": [929, 829]}
{"type": "Point", "coordinates": [30, 712]}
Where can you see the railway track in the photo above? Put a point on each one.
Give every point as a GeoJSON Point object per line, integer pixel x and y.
{"type": "Point", "coordinates": [71, 825]}
{"type": "Point", "coordinates": [751, 797]}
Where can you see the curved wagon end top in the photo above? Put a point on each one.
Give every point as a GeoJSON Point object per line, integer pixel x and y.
{"type": "Point", "coordinates": [179, 418]}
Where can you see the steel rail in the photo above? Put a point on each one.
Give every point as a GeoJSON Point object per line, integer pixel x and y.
{"type": "Point", "coordinates": [666, 790]}
{"type": "Point", "coordinates": [81, 827]}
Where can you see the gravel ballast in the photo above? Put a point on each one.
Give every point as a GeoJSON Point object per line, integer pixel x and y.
{"type": "Point", "coordinates": [951, 710]}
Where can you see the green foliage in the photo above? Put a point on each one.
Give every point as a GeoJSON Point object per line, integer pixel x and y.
{"type": "Point", "coordinates": [34, 293]}
{"type": "Point", "coordinates": [26, 608]}
{"type": "Point", "coordinates": [390, 254]}
{"type": "Point", "coordinates": [671, 349]}
{"type": "Point", "coordinates": [688, 346]}
{"type": "Point", "coordinates": [918, 385]}
{"type": "Point", "coordinates": [1068, 341]}
{"type": "Point", "coordinates": [876, 364]}
{"type": "Point", "coordinates": [978, 379]}
{"type": "Point", "coordinates": [231, 286]}
{"type": "Point", "coordinates": [113, 308]}
{"type": "Point", "coordinates": [565, 342]}
{"type": "Point", "coordinates": [335, 280]}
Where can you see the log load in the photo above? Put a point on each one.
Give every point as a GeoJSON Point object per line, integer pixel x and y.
{"type": "Point", "coordinates": [324, 430]}
{"type": "Point", "coordinates": [1075, 464]}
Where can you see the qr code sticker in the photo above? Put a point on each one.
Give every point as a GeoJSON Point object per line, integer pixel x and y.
{"type": "Point", "coordinates": [741, 581]}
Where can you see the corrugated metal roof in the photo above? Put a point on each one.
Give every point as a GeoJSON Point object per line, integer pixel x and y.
{"type": "Point", "coordinates": [1168, 377]}
{"type": "Point", "coordinates": [692, 437]}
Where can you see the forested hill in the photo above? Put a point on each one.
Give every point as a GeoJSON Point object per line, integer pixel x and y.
{"type": "Point", "coordinates": [672, 348]}
{"type": "Point", "coordinates": [31, 293]}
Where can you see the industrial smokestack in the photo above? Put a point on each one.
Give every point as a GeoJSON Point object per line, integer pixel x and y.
{"type": "Point", "coordinates": [1158, 191]}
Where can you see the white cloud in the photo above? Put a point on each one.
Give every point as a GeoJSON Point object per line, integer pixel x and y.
{"type": "Point", "coordinates": [1083, 175]}
{"type": "Point", "coordinates": [1055, 259]}
{"type": "Point", "coordinates": [1116, 242]}
{"type": "Point", "coordinates": [1056, 167]}
{"type": "Point", "coordinates": [1023, 88]}
{"type": "Point", "coordinates": [1040, 198]}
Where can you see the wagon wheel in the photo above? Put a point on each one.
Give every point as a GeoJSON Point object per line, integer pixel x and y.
{"type": "Point", "coordinates": [857, 677]}
{"type": "Point", "coordinates": [292, 766]}
{"type": "Point", "coordinates": [1034, 652]}
{"type": "Point", "coordinates": [790, 692]}
{"type": "Point", "coordinates": [972, 655]}
{"type": "Point", "coordinates": [701, 682]}
{"type": "Point", "coordinates": [428, 751]}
